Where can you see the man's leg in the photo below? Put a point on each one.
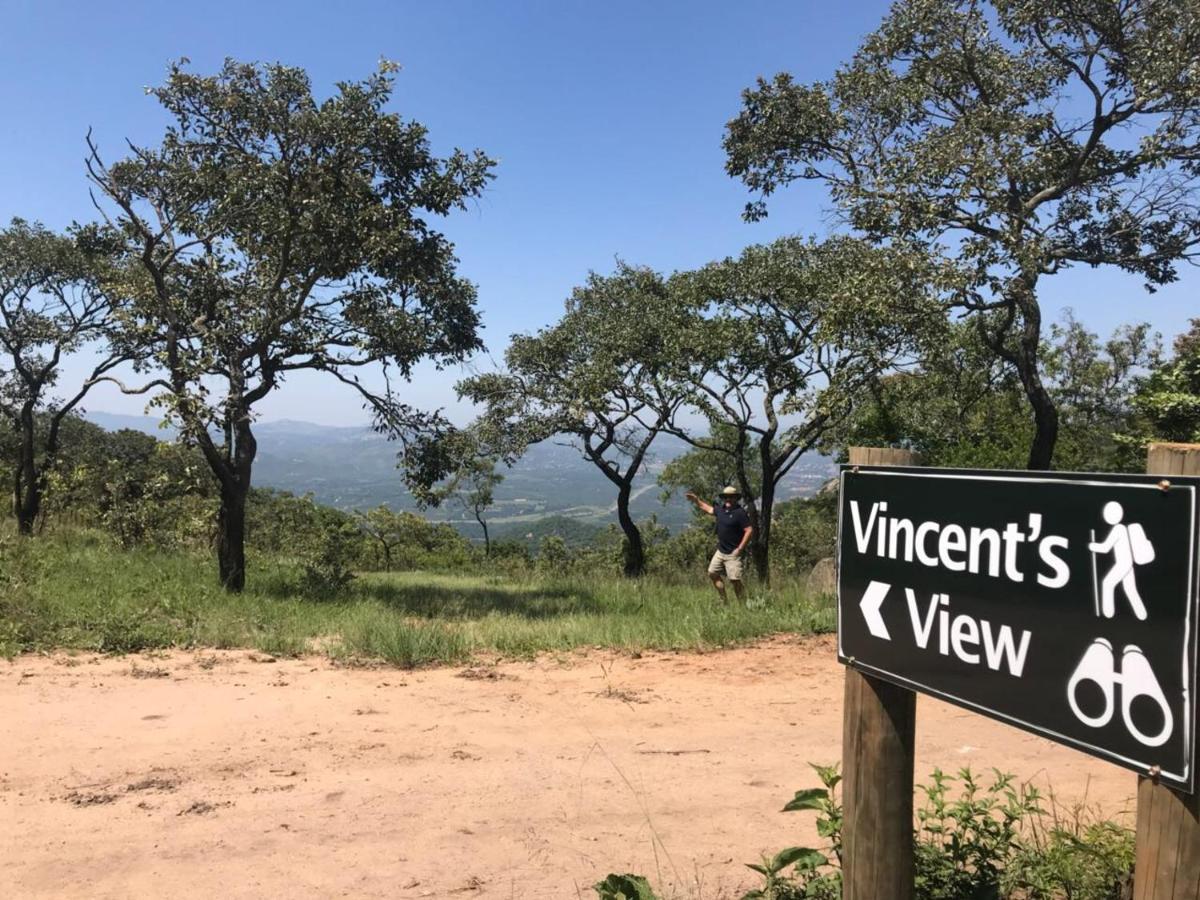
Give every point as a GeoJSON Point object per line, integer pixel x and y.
{"type": "Point", "coordinates": [733, 572]}
{"type": "Point", "coordinates": [719, 585]}
{"type": "Point", "coordinates": [716, 568]}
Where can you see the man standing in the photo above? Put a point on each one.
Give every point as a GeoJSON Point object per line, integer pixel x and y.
{"type": "Point", "coordinates": [733, 534]}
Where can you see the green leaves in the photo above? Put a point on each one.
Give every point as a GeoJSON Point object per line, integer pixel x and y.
{"type": "Point", "coordinates": [1167, 399]}
{"type": "Point", "coordinates": [273, 232]}
{"type": "Point", "coordinates": [811, 798]}
{"type": "Point", "coordinates": [802, 857]}
{"type": "Point", "coordinates": [624, 887]}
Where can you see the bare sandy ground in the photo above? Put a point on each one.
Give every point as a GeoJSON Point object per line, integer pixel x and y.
{"type": "Point", "coordinates": [227, 774]}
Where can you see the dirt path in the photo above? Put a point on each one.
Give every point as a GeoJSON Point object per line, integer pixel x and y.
{"type": "Point", "coordinates": [222, 774]}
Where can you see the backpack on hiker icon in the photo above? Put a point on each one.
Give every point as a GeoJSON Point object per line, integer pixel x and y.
{"type": "Point", "coordinates": [1143, 550]}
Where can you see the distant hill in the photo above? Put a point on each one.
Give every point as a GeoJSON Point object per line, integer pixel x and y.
{"type": "Point", "coordinates": [355, 468]}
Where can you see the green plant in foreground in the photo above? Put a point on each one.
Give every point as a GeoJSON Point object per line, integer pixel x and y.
{"type": "Point", "coordinates": [624, 887]}
{"type": "Point", "coordinates": [812, 874]}
{"type": "Point", "coordinates": [328, 568]}
{"type": "Point", "coordinates": [972, 841]}
{"type": "Point", "coordinates": [1072, 854]}
{"type": "Point", "coordinates": [962, 844]}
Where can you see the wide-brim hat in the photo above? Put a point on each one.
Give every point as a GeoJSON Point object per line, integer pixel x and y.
{"type": "Point", "coordinates": [730, 491]}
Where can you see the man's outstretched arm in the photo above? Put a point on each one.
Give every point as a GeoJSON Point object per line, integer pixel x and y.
{"type": "Point", "coordinates": [705, 508]}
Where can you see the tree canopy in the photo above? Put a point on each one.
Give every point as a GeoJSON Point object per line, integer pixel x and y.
{"type": "Point", "coordinates": [963, 407]}
{"type": "Point", "coordinates": [1166, 401]}
{"type": "Point", "coordinates": [1021, 136]}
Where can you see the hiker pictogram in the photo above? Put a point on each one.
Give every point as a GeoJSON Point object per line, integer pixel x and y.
{"type": "Point", "coordinates": [1135, 678]}
{"type": "Point", "coordinates": [1130, 548]}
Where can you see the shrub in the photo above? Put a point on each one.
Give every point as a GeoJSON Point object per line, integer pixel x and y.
{"type": "Point", "coordinates": [1077, 856]}
{"type": "Point", "coordinates": [688, 550]}
{"type": "Point", "coordinates": [327, 570]}
{"type": "Point", "coordinates": [554, 555]}
{"type": "Point", "coordinates": [804, 531]}
{"type": "Point", "coordinates": [971, 842]}
{"type": "Point", "coordinates": [963, 845]}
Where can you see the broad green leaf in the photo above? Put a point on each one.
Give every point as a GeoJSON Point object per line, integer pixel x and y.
{"type": "Point", "coordinates": [802, 857]}
{"type": "Point", "coordinates": [812, 798]}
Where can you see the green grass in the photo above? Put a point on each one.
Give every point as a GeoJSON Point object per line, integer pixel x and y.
{"type": "Point", "coordinates": [76, 591]}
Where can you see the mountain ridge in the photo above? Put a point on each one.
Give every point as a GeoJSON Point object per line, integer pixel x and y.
{"type": "Point", "coordinates": [353, 467]}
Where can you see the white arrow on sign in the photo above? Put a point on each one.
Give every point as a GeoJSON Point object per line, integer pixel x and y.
{"type": "Point", "coordinates": [872, 599]}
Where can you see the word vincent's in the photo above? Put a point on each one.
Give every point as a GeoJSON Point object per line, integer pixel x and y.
{"type": "Point", "coordinates": [980, 551]}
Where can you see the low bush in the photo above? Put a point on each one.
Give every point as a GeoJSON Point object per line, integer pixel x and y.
{"type": "Point", "coordinates": [971, 841]}
{"type": "Point", "coordinates": [329, 564]}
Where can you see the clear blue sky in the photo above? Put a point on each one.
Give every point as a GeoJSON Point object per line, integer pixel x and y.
{"type": "Point", "coordinates": [606, 118]}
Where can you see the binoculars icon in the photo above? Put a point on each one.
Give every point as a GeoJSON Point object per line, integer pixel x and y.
{"type": "Point", "coordinates": [1136, 679]}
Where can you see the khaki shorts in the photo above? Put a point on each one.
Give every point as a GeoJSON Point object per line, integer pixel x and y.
{"type": "Point", "coordinates": [727, 564]}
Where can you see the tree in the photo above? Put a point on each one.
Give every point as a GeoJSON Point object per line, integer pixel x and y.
{"type": "Point", "coordinates": [597, 375]}
{"type": "Point", "coordinates": [385, 528]}
{"type": "Point", "coordinates": [1024, 136]}
{"type": "Point", "coordinates": [1093, 384]}
{"type": "Point", "coordinates": [1166, 401]}
{"type": "Point", "coordinates": [272, 233]}
{"type": "Point", "coordinates": [781, 344]}
{"type": "Point", "coordinates": [51, 305]}
{"type": "Point", "coordinates": [964, 407]}
{"type": "Point", "coordinates": [473, 485]}
{"type": "Point", "coordinates": [458, 464]}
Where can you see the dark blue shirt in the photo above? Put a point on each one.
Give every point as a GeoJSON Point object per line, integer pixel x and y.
{"type": "Point", "coordinates": [731, 525]}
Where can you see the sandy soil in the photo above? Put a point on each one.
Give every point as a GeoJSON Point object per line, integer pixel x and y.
{"type": "Point", "coordinates": [230, 774]}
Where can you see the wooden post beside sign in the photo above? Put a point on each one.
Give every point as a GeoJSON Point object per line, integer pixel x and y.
{"type": "Point", "coordinates": [878, 729]}
{"type": "Point", "coordinates": [1167, 861]}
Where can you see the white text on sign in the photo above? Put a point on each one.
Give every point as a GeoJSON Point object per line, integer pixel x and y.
{"type": "Point", "coordinates": [989, 551]}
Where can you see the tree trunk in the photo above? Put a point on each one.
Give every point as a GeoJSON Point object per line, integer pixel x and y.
{"type": "Point", "coordinates": [1045, 418]}
{"type": "Point", "coordinates": [635, 550]}
{"type": "Point", "coordinates": [758, 509]}
{"type": "Point", "coordinates": [27, 498]}
{"type": "Point", "coordinates": [760, 545]}
{"type": "Point", "coordinates": [30, 506]}
{"type": "Point", "coordinates": [231, 520]}
{"type": "Point", "coordinates": [1028, 363]}
{"type": "Point", "coordinates": [487, 541]}
{"type": "Point", "coordinates": [231, 535]}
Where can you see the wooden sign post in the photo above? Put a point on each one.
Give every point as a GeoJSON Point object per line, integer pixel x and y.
{"type": "Point", "coordinates": [878, 728]}
{"type": "Point", "coordinates": [1167, 860]}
